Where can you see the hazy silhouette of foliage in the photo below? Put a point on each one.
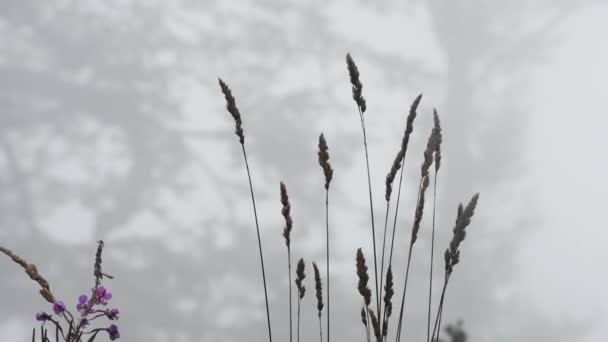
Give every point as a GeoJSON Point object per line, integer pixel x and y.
{"type": "Point", "coordinates": [455, 332]}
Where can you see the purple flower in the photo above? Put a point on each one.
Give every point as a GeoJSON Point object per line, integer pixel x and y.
{"type": "Point", "coordinates": [112, 314]}
{"type": "Point", "coordinates": [58, 307]}
{"type": "Point", "coordinates": [42, 316]}
{"type": "Point", "coordinates": [82, 302]}
{"type": "Point", "coordinates": [113, 332]}
{"type": "Point", "coordinates": [85, 322]}
{"type": "Point", "coordinates": [103, 296]}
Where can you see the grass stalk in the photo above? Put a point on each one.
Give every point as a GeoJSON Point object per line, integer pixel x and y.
{"type": "Point", "coordinates": [407, 271]}
{"type": "Point", "coordinates": [398, 163]}
{"type": "Point", "coordinates": [319, 294]}
{"type": "Point", "coordinates": [428, 323]}
{"type": "Point", "coordinates": [328, 172]}
{"type": "Point", "coordinates": [437, 154]}
{"type": "Point", "coordinates": [452, 253]}
{"type": "Point", "coordinates": [286, 212]}
{"type": "Point", "coordinates": [300, 275]}
{"type": "Point", "coordinates": [289, 282]}
{"type": "Point", "coordinates": [257, 228]}
{"type": "Point", "coordinates": [234, 111]}
{"type": "Point", "coordinates": [357, 88]}
{"type": "Point", "coordinates": [327, 254]}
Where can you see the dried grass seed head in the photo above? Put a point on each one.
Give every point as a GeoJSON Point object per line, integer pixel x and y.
{"type": "Point", "coordinates": [384, 328]}
{"type": "Point", "coordinates": [419, 209]}
{"type": "Point", "coordinates": [464, 217]}
{"type": "Point", "coordinates": [438, 139]}
{"type": "Point", "coordinates": [426, 164]}
{"type": "Point", "coordinates": [363, 316]}
{"type": "Point", "coordinates": [364, 290]}
{"type": "Point", "coordinates": [353, 72]}
{"type": "Point", "coordinates": [431, 146]}
{"type": "Point", "coordinates": [389, 291]}
{"type": "Point", "coordinates": [318, 288]}
{"type": "Point", "coordinates": [324, 160]}
{"type": "Point", "coordinates": [286, 212]}
{"type": "Point", "coordinates": [97, 266]}
{"type": "Point", "coordinates": [390, 177]}
{"type": "Point", "coordinates": [32, 272]}
{"type": "Point", "coordinates": [300, 275]}
{"type": "Point", "coordinates": [233, 110]}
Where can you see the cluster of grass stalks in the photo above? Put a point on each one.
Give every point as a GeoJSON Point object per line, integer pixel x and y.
{"type": "Point", "coordinates": [376, 325]}
{"type": "Point", "coordinates": [68, 326]}
{"type": "Point", "coordinates": [375, 318]}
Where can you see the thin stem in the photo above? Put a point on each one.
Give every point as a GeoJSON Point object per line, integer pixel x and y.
{"type": "Point", "coordinates": [320, 330]}
{"type": "Point", "coordinates": [385, 319]}
{"type": "Point", "coordinates": [428, 322]}
{"type": "Point", "coordinates": [407, 271]}
{"type": "Point", "coordinates": [433, 336]}
{"type": "Point", "coordinates": [257, 227]}
{"type": "Point", "coordinates": [290, 309]}
{"type": "Point", "coordinates": [371, 206]}
{"type": "Point", "coordinates": [440, 309]}
{"type": "Point", "coordinates": [298, 328]}
{"type": "Point", "coordinates": [382, 261]}
{"type": "Point", "coordinates": [440, 317]}
{"type": "Point", "coordinates": [384, 311]}
{"type": "Point", "coordinates": [327, 253]}
{"type": "Point", "coordinates": [368, 324]}
{"type": "Point", "coordinates": [58, 327]}
{"type": "Point", "coordinates": [70, 334]}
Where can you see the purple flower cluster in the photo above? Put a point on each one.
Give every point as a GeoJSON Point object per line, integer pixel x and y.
{"type": "Point", "coordinates": [89, 310]}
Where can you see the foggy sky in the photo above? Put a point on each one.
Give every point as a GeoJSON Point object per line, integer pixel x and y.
{"type": "Point", "coordinates": [113, 127]}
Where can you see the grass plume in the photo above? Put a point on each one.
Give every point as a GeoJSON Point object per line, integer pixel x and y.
{"type": "Point", "coordinates": [388, 304]}
{"type": "Point", "coordinates": [353, 72]}
{"type": "Point", "coordinates": [233, 110]}
{"type": "Point", "coordinates": [362, 287]}
{"type": "Point", "coordinates": [32, 272]}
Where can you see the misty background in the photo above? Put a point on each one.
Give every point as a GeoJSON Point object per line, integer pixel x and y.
{"type": "Point", "coordinates": [112, 127]}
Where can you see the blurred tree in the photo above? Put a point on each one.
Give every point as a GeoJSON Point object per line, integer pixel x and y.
{"type": "Point", "coordinates": [455, 332]}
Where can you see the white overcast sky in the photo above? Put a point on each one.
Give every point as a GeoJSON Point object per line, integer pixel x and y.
{"type": "Point", "coordinates": [564, 261]}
